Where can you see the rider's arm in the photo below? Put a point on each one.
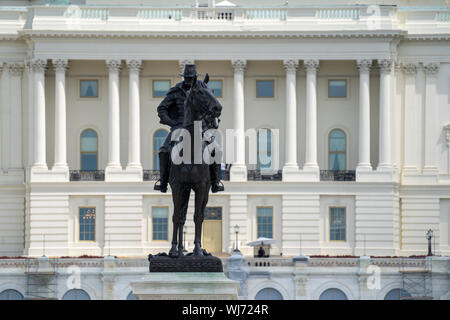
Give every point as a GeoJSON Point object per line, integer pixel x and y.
{"type": "Point", "coordinates": [163, 110]}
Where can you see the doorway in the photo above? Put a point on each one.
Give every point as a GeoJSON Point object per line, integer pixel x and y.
{"type": "Point", "coordinates": [212, 230]}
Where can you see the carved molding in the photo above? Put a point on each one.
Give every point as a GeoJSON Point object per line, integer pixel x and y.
{"type": "Point", "coordinates": [311, 65]}
{"type": "Point", "coordinates": [15, 68]}
{"type": "Point", "coordinates": [447, 133]}
{"type": "Point", "coordinates": [114, 65]}
{"type": "Point", "coordinates": [431, 68]}
{"type": "Point", "coordinates": [364, 65]}
{"type": "Point", "coordinates": [410, 68]}
{"type": "Point", "coordinates": [60, 65]}
{"type": "Point", "coordinates": [290, 65]}
{"type": "Point", "coordinates": [134, 65]}
{"type": "Point", "coordinates": [39, 65]}
{"type": "Point", "coordinates": [239, 65]}
{"type": "Point", "coordinates": [385, 65]}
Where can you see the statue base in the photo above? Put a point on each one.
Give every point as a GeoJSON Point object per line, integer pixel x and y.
{"type": "Point", "coordinates": [188, 263]}
{"type": "Point", "coordinates": [185, 286]}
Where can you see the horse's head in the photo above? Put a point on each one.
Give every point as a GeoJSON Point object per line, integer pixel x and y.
{"type": "Point", "coordinates": [201, 104]}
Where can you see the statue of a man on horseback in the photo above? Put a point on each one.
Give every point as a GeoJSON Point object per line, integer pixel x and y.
{"type": "Point", "coordinates": [191, 109]}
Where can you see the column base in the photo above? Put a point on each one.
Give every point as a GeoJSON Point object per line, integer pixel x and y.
{"type": "Point", "coordinates": [43, 174]}
{"type": "Point", "coordinates": [12, 176]}
{"type": "Point", "coordinates": [382, 174]}
{"type": "Point", "coordinates": [291, 173]}
{"type": "Point", "coordinates": [309, 174]}
{"type": "Point", "coordinates": [117, 174]}
{"type": "Point", "coordinates": [429, 175]}
{"type": "Point", "coordinates": [238, 173]}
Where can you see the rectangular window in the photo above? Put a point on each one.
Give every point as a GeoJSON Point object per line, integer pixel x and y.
{"type": "Point", "coordinates": [265, 88]}
{"type": "Point", "coordinates": [337, 224]}
{"type": "Point", "coordinates": [216, 86]}
{"type": "Point", "coordinates": [337, 88]}
{"type": "Point", "coordinates": [160, 223]}
{"type": "Point", "coordinates": [160, 88]}
{"type": "Point", "coordinates": [89, 88]}
{"type": "Point", "coordinates": [264, 222]}
{"type": "Point", "coordinates": [87, 224]}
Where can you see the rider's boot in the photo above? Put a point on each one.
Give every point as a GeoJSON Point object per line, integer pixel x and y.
{"type": "Point", "coordinates": [214, 171]}
{"type": "Point", "coordinates": [164, 172]}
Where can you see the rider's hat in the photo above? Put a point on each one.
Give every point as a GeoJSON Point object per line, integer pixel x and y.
{"type": "Point", "coordinates": [189, 71]}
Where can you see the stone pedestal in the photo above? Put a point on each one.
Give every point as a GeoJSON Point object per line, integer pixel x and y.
{"type": "Point", "coordinates": [185, 286]}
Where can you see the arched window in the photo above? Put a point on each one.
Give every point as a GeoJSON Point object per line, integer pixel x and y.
{"type": "Point", "coordinates": [333, 294]}
{"type": "Point", "coordinates": [269, 294]}
{"type": "Point", "coordinates": [89, 150]}
{"type": "Point", "coordinates": [396, 294]}
{"type": "Point", "coordinates": [76, 294]}
{"type": "Point", "coordinates": [158, 141]}
{"type": "Point", "coordinates": [11, 294]}
{"type": "Point", "coordinates": [264, 147]}
{"type": "Point", "coordinates": [337, 149]}
{"type": "Point", "coordinates": [131, 296]}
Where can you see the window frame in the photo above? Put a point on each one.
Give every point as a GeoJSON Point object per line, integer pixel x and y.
{"type": "Point", "coordinates": [151, 219]}
{"type": "Point", "coordinates": [153, 87]}
{"type": "Point", "coordinates": [87, 79]}
{"type": "Point", "coordinates": [219, 80]}
{"type": "Point", "coordinates": [329, 224]}
{"type": "Point", "coordinates": [257, 225]}
{"type": "Point", "coordinates": [88, 152]}
{"type": "Point", "coordinates": [265, 80]}
{"type": "Point", "coordinates": [337, 152]}
{"type": "Point", "coordinates": [346, 88]}
{"type": "Point", "coordinates": [79, 224]}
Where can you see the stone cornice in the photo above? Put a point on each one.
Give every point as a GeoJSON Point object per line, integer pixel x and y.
{"type": "Point", "coordinates": [34, 34]}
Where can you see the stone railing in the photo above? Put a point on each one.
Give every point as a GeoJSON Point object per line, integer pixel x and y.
{"type": "Point", "coordinates": [80, 175]}
{"type": "Point", "coordinates": [268, 262]}
{"type": "Point", "coordinates": [151, 175]}
{"type": "Point", "coordinates": [330, 175]}
{"type": "Point", "coordinates": [337, 14]}
{"type": "Point", "coordinates": [258, 175]}
{"type": "Point", "coordinates": [266, 14]}
{"type": "Point", "coordinates": [160, 14]}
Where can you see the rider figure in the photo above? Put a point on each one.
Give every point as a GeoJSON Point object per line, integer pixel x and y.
{"type": "Point", "coordinates": [171, 113]}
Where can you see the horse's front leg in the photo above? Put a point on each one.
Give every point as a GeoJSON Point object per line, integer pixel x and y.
{"type": "Point", "coordinates": [173, 251]}
{"type": "Point", "coordinates": [201, 199]}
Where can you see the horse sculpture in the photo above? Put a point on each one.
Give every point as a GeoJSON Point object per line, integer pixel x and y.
{"type": "Point", "coordinates": [200, 105]}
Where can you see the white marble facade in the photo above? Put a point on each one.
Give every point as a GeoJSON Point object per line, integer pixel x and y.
{"type": "Point", "coordinates": [395, 116]}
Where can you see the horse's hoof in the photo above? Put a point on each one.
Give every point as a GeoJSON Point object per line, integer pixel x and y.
{"type": "Point", "coordinates": [198, 251]}
{"type": "Point", "coordinates": [173, 253]}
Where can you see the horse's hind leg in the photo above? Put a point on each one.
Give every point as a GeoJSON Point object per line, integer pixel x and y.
{"type": "Point", "coordinates": [183, 211]}
{"type": "Point", "coordinates": [177, 191]}
{"type": "Point", "coordinates": [201, 199]}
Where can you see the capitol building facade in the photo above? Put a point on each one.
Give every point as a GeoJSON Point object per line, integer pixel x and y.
{"type": "Point", "coordinates": [352, 99]}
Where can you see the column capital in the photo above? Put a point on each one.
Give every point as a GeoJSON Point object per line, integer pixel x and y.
{"type": "Point", "coordinates": [311, 65]}
{"type": "Point", "coordinates": [134, 65]}
{"type": "Point", "coordinates": [239, 65]}
{"type": "Point", "coordinates": [364, 65]}
{"type": "Point", "coordinates": [39, 65]}
{"type": "Point", "coordinates": [431, 68]}
{"type": "Point", "coordinates": [183, 62]}
{"type": "Point", "coordinates": [114, 65]}
{"type": "Point", "coordinates": [410, 68]}
{"type": "Point", "coordinates": [15, 68]}
{"type": "Point", "coordinates": [60, 65]}
{"type": "Point", "coordinates": [385, 65]}
{"type": "Point", "coordinates": [290, 65]}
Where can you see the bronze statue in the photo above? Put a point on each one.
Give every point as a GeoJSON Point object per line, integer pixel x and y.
{"type": "Point", "coordinates": [186, 103]}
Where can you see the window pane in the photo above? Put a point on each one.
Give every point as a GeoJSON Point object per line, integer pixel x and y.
{"type": "Point", "coordinates": [11, 294]}
{"type": "Point", "coordinates": [89, 141]}
{"type": "Point", "coordinates": [160, 223]}
{"type": "Point", "coordinates": [216, 86]}
{"type": "Point", "coordinates": [87, 224]}
{"type": "Point", "coordinates": [337, 88]}
{"type": "Point", "coordinates": [269, 294]}
{"type": "Point", "coordinates": [76, 294]}
{"type": "Point", "coordinates": [264, 222]}
{"type": "Point", "coordinates": [265, 88]}
{"type": "Point", "coordinates": [337, 161]}
{"type": "Point", "coordinates": [160, 87]}
{"type": "Point", "coordinates": [89, 88]}
{"type": "Point", "coordinates": [337, 140]}
{"type": "Point", "coordinates": [333, 294]}
{"type": "Point", "coordinates": [337, 224]}
{"type": "Point", "coordinates": [89, 161]}
{"type": "Point", "coordinates": [158, 141]}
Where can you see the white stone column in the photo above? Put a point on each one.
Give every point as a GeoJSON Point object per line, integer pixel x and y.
{"type": "Point", "coordinates": [15, 103]}
{"type": "Point", "coordinates": [291, 164]}
{"type": "Point", "coordinates": [364, 115]}
{"type": "Point", "coordinates": [411, 122]}
{"type": "Point", "coordinates": [40, 160]}
{"type": "Point", "coordinates": [311, 67]}
{"type": "Point", "coordinates": [114, 116]}
{"type": "Point", "coordinates": [134, 133]}
{"type": "Point", "coordinates": [446, 130]}
{"type": "Point", "coordinates": [60, 66]}
{"type": "Point", "coordinates": [385, 160]}
{"type": "Point", "coordinates": [4, 121]}
{"type": "Point", "coordinates": [30, 115]}
{"type": "Point", "coordinates": [431, 119]}
{"type": "Point", "coordinates": [238, 170]}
